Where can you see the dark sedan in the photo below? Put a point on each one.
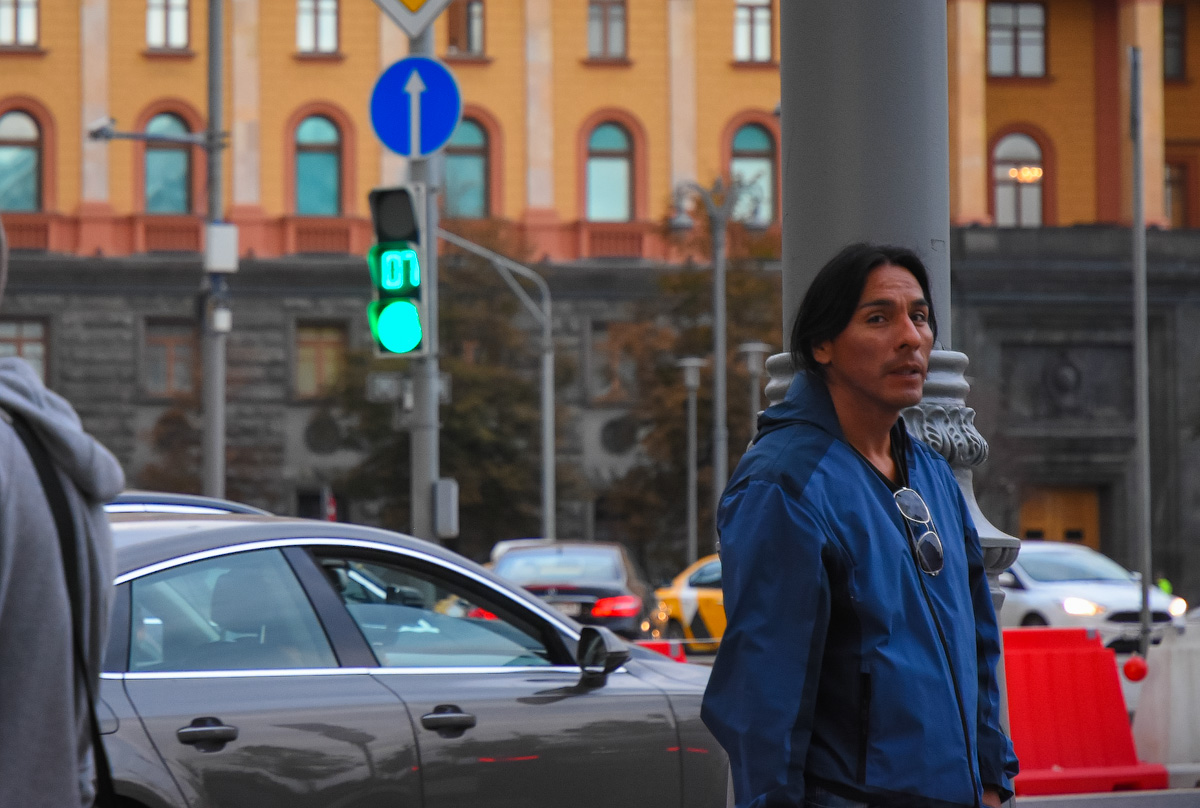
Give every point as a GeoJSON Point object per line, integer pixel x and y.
{"type": "Point", "coordinates": [288, 663]}
{"type": "Point", "coordinates": [595, 583]}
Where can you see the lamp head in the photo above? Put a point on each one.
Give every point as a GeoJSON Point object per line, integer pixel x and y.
{"type": "Point", "coordinates": [682, 221]}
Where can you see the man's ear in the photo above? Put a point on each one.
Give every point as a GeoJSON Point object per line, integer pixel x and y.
{"type": "Point", "coordinates": [823, 352]}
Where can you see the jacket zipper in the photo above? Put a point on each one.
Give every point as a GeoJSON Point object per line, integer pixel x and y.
{"type": "Point", "coordinates": [962, 715]}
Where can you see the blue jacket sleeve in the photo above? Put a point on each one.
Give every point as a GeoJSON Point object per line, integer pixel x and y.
{"type": "Point", "coordinates": [760, 699]}
{"type": "Point", "coordinates": [997, 762]}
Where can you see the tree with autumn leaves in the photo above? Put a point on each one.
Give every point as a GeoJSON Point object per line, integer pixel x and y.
{"type": "Point", "coordinates": [649, 503]}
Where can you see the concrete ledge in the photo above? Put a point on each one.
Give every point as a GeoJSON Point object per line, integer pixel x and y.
{"type": "Point", "coordinates": [1185, 775]}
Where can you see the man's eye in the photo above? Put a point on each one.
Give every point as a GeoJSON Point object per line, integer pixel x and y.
{"type": "Point", "coordinates": [875, 318]}
{"type": "Point", "coordinates": [920, 317]}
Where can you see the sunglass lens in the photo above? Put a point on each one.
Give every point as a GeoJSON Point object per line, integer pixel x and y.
{"type": "Point", "coordinates": [929, 552]}
{"type": "Point", "coordinates": [912, 506]}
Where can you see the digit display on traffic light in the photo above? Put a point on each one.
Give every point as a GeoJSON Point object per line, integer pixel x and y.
{"type": "Point", "coordinates": [397, 314]}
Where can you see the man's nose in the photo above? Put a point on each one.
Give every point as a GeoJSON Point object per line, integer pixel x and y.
{"type": "Point", "coordinates": [909, 333]}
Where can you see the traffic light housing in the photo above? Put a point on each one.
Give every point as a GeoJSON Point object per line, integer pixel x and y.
{"type": "Point", "coordinates": [397, 313]}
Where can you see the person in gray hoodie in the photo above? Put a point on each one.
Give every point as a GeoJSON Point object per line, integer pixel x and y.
{"type": "Point", "coordinates": [45, 739]}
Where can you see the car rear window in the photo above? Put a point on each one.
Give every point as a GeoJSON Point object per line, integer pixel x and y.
{"type": "Point", "coordinates": [551, 565]}
{"type": "Point", "coordinates": [1048, 567]}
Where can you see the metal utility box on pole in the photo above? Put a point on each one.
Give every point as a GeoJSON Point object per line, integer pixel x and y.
{"type": "Point", "coordinates": [1141, 360]}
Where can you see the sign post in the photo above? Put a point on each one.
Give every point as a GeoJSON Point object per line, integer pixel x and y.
{"type": "Point", "coordinates": [415, 108]}
{"type": "Point", "coordinates": [413, 16]}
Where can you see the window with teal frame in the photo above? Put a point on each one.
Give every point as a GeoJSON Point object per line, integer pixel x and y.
{"type": "Point", "coordinates": [318, 167]}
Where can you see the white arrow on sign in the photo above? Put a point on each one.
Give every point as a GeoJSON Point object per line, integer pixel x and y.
{"type": "Point", "coordinates": [413, 16]}
{"type": "Point", "coordinates": [414, 87]}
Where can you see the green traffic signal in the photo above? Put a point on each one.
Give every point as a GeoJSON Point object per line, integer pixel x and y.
{"type": "Point", "coordinates": [395, 316]}
{"type": "Point", "coordinates": [397, 325]}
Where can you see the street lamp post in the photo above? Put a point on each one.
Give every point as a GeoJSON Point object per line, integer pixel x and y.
{"type": "Point", "coordinates": [719, 203]}
{"type": "Point", "coordinates": [754, 352]}
{"type": "Point", "coordinates": [691, 380]}
{"type": "Point", "coordinates": [543, 314]}
{"type": "Point", "coordinates": [220, 253]}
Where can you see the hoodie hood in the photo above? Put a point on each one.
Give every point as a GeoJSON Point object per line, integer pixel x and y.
{"type": "Point", "coordinates": [81, 457]}
{"type": "Point", "coordinates": [807, 401]}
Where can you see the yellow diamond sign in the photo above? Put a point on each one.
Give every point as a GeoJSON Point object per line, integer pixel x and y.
{"type": "Point", "coordinates": [413, 16]}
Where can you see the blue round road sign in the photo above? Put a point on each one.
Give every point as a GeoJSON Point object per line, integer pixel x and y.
{"type": "Point", "coordinates": [416, 99]}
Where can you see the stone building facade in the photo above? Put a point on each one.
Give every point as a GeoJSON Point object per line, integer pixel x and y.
{"type": "Point", "coordinates": [1044, 315]}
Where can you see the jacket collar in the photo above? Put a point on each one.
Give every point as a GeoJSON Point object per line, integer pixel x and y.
{"type": "Point", "coordinates": [807, 401]}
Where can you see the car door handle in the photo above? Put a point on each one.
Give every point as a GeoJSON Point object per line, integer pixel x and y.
{"type": "Point", "coordinates": [207, 732]}
{"type": "Point", "coordinates": [447, 716]}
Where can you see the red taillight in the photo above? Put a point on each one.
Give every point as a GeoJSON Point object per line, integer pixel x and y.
{"type": "Point", "coordinates": [620, 606]}
{"type": "Point", "coordinates": [476, 613]}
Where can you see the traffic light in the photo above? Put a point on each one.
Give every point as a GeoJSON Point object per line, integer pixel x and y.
{"type": "Point", "coordinates": [397, 314]}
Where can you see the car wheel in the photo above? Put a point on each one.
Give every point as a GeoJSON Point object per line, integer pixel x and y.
{"type": "Point", "coordinates": [1034, 620]}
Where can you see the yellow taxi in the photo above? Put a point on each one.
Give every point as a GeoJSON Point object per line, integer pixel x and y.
{"type": "Point", "coordinates": [692, 608]}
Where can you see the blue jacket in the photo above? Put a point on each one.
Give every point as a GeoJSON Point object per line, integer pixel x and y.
{"type": "Point", "coordinates": [842, 663]}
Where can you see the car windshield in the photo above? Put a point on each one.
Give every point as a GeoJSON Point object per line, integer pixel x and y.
{"type": "Point", "coordinates": [576, 565]}
{"type": "Point", "coordinates": [1051, 566]}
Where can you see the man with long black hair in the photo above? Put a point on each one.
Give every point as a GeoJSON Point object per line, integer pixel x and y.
{"type": "Point", "coordinates": [858, 667]}
{"type": "Point", "coordinates": [46, 758]}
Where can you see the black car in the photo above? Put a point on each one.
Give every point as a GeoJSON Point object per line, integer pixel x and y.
{"type": "Point", "coordinates": [268, 661]}
{"type": "Point", "coordinates": [592, 582]}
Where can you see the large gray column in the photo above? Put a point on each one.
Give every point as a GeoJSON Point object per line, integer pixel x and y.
{"type": "Point", "coordinates": [866, 158]}
{"type": "Point", "coordinates": [866, 138]}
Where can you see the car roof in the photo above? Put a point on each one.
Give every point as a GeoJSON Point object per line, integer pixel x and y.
{"type": "Point", "coordinates": [145, 539]}
{"type": "Point", "coordinates": [134, 501]}
{"type": "Point", "coordinates": [1051, 546]}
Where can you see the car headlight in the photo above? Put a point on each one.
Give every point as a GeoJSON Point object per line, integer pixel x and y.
{"type": "Point", "coordinates": [1081, 607]}
{"type": "Point", "coordinates": [1178, 607]}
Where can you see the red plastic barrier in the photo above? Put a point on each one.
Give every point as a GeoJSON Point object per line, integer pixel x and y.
{"type": "Point", "coordinates": [1067, 716]}
{"type": "Point", "coordinates": [674, 650]}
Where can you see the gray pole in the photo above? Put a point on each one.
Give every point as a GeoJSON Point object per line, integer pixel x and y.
{"type": "Point", "coordinates": [549, 528]}
{"type": "Point", "coordinates": [754, 351]}
{"type": "Point", "coordinates": [543, 313]}
{"type": "Point", "coordinates": [866, 142]}
{"type": "Point", "coordinates": [1141, 361]}
{"type": "Point", "coordinates": [216, 311]}
{"type": "Point", "coordinates": [719, 203]}
{"type": "Point", "coordinates": [720, 426]}
{"type": "Point", "coordinates": [424, 455]}
{"type": "Point", "coordinates": [691, 380]}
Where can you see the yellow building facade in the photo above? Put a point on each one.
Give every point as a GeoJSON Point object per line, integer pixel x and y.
{"type": "Point", "coordinates": [587, 114]}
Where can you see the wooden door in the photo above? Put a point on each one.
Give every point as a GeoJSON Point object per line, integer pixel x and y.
{"type": "Point", "coordinates": [1060, 513]}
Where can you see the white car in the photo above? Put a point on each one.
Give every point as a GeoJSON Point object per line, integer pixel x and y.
{"type": "Point", "coordinates": [1057, 584]}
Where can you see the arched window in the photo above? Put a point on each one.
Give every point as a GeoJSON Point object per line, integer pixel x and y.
{"type": "Point", "coordinates": [168, 167]}
{"type": "Point", "coordinates": [609, 175]}
{"type": "Point", "coordinates": [1017, 167]}
{"type": "Point", "coordinates": [20, 162]}
{"type": "Point", "coordinates": [753, 167]}
{"type": "Point", "coordinates": [318, 167]}
{"type": "Point", "coordinates": [467, 172]}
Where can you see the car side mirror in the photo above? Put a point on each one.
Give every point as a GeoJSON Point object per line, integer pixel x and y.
{"type": "Point", "coordinates": [1007, 580]}
{"type": "Point", "coordinates": [600, 653]}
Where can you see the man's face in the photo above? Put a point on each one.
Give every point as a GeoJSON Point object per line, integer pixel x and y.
{"type": "Point", "coordinates": [881, 358]}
